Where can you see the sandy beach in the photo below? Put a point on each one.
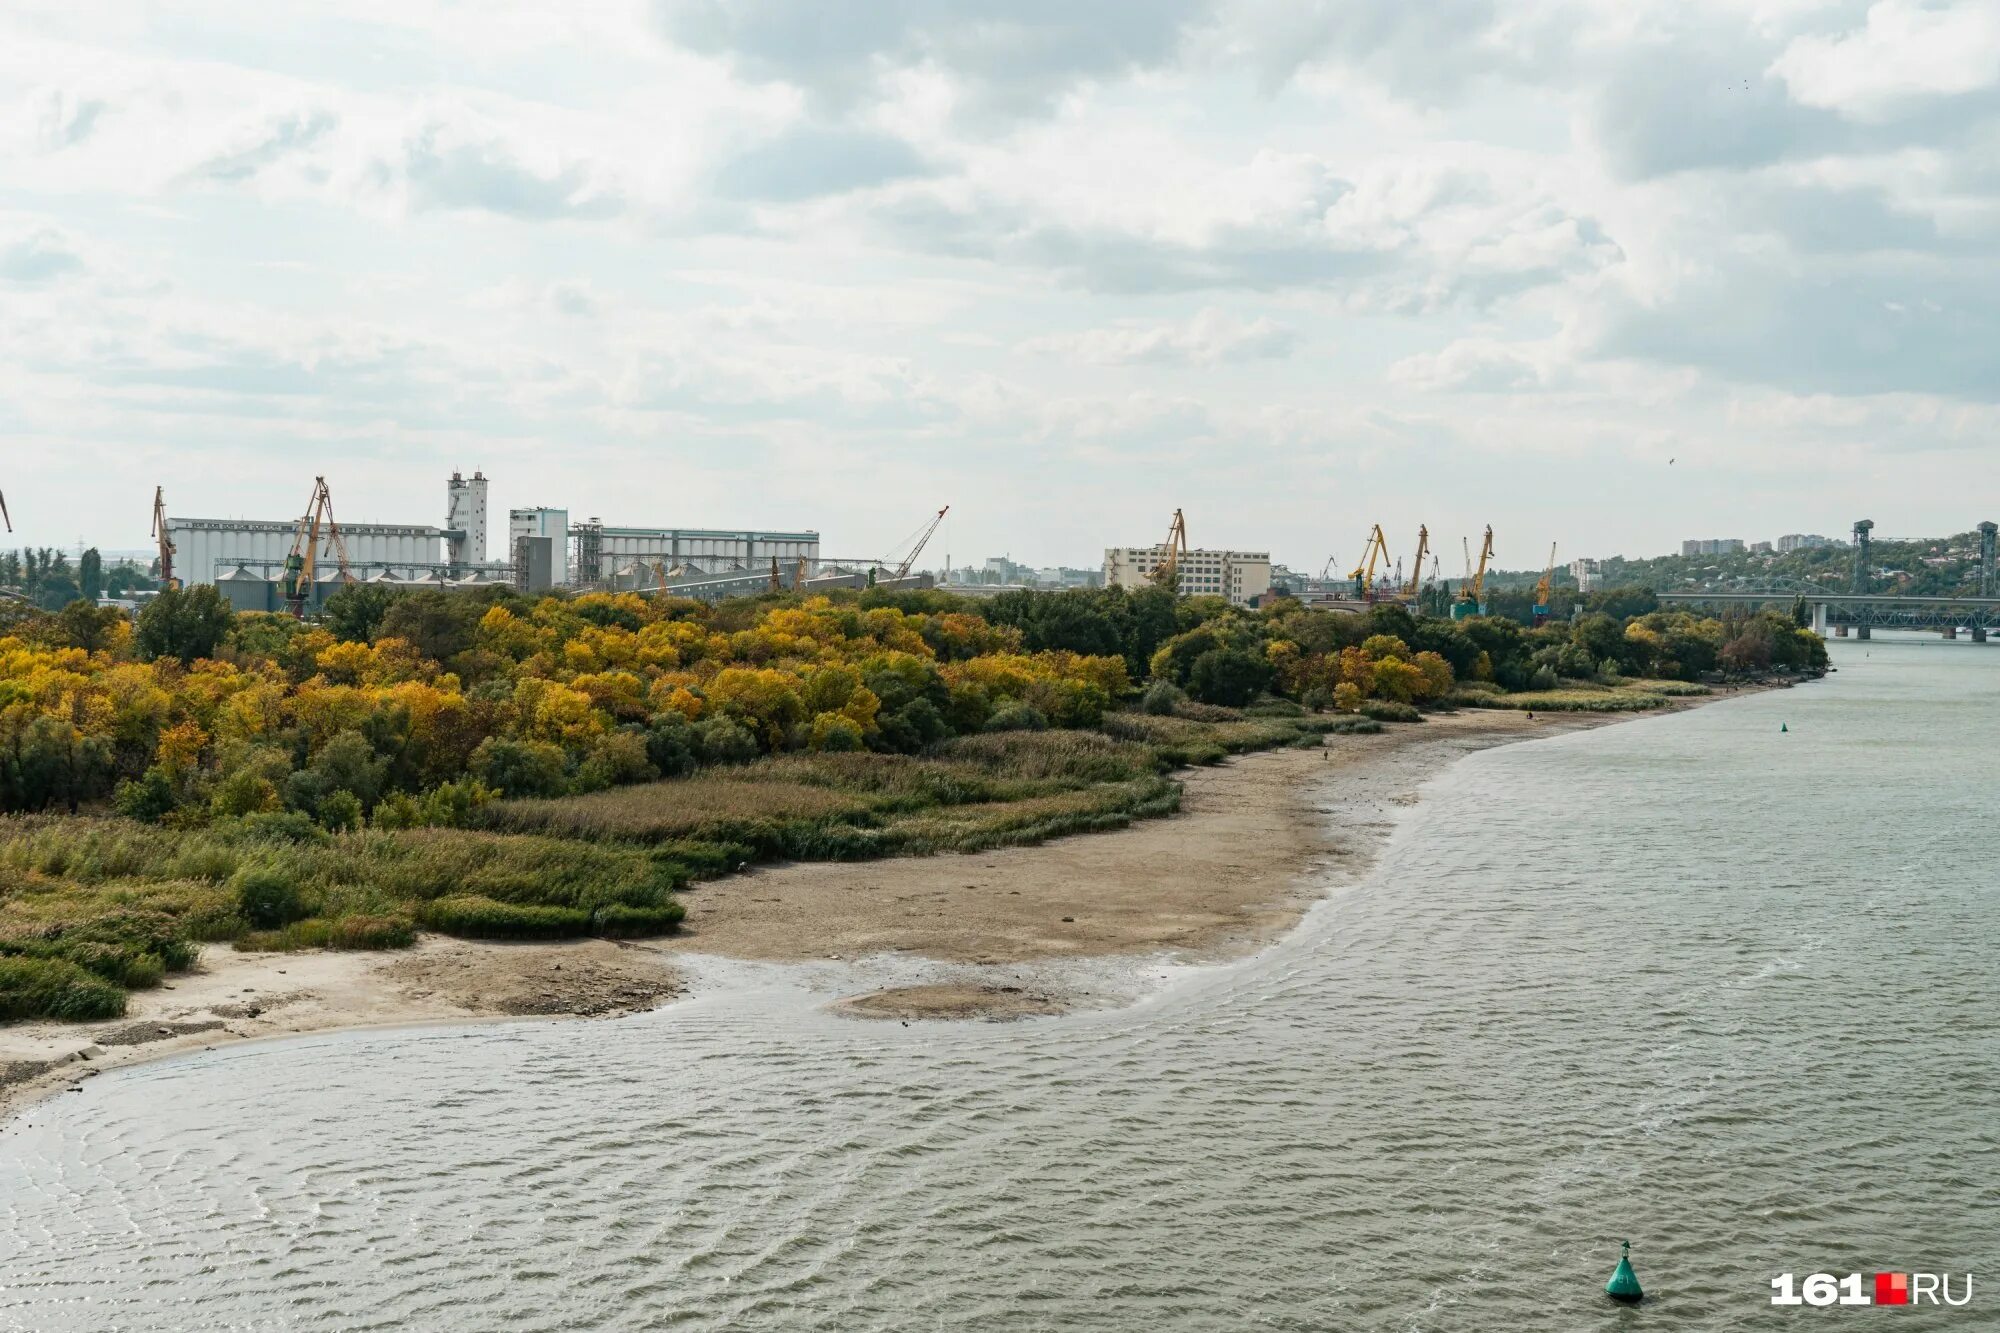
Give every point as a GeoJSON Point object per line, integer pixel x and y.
{"type": "Point", "coordinates": [1258, 839]}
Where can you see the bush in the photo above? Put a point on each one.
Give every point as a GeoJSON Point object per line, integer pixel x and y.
{"type": "Point", "coordinates": [473, 917]}
{"type": "Point", "coordinates": [267, 897]}
{"type": "Point", "coordinates": [1355, 726]}
{"type": "Point", "coordinates": [1015, 716]}
{"type": "Point", "coordinates": [1387, 710]}
{"type": "Point", "coordinates": [339, 811]}
{"type": "Point", "coordinates": [1161, 698]}
{"type": "Point", "coordinates": [1230, 677]}
{"type": "Point", "coordinates": [619, 921]}
{"type": "Point", "coordinates": [519, 768]}
{"type": "Point", "coordinates": [55, 988]}
{"type": "Point", "coordinates": [834, 733]}
{"type": "Point", "coordinates": [722, 740]}
{"type": "Point", "coordinates": [670, 746]}
{"type": "Point", "coordinates": [147, 798]}
{"type": "Point", "coordinates": [348, 932]}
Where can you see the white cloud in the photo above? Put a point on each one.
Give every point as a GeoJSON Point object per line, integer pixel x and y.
{"type": "Point", "coordinates": [1906, 51]}
{"type": "Point", "coordinates": [1208, 338]}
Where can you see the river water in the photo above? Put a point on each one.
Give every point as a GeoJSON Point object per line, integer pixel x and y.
{"type": "Point", "coordinates": [1720, 988]}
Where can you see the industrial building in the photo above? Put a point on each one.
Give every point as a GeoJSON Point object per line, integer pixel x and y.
{"type": "Point", "coordinates": [246, 558]}
{"type": "Point", "coordinates": [465, 521]}
{"type": "Point", "coordinates": [1240, 576]}
{"type": "Point", "coordinates": [549, 524]}
{"type": "Point", "coordinates": [208, 548]}
{"type": "Point", "coordinates": [711, 550]}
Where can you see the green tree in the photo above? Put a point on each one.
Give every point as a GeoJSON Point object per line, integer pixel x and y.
{"type": "Point", "coordinates": [90, 575]}
{"type": "Point", "coordinates": [84, 625]}
{"type": "Point", "coordinates": [184, 623]}
{"type": "Point", "coordinates": [357, 610]}
{"type": "Point", "coordinates": [1231, 677]}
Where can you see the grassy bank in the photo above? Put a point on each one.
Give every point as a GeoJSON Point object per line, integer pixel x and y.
{"type": "Point", "coordinates": [91, 906]}
{"type": "Point", "coordinates": [1575, 696]}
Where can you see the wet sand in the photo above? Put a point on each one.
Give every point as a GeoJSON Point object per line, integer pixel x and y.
{"type": "Point", "coordinates": [1258, 839]}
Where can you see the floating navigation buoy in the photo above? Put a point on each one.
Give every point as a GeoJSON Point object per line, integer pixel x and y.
{"type": "Point", "coordinates": [1624, 1284]}
{"type": "Point", "coordinates": [1783, 727]}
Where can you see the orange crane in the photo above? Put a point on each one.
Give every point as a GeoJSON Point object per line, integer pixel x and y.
{"type": "Point", "coordinates": [168, 583]}
{"type": "Point", "coordinates": [1167, 574]}
{"type": "Point", "coordinates": [917, 549]}
{"type": "Point", "coordinates": [302, 565]}
{"type": "Point", "coordinates": [1377, 549]}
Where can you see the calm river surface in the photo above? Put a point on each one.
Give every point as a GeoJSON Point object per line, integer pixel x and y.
{"type": "Point", "coordinates": [1726, 991]}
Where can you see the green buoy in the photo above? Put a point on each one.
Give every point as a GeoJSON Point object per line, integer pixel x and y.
{"type": "Point", "coordinates": [1624, 1283]}
{"type": "Point", "coordinates": [1783, 727]}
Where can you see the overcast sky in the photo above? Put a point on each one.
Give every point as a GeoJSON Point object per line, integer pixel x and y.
{"type": "Point", "coordinates": [1608, 273]}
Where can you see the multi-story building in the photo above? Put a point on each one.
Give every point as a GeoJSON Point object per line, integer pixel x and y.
{"type": "Point", "coordinates": [1240, 576]}
{"type": "Point", "coordinates": [1803, 541]}
{"type": "Point", "coordinates": [550, 523]}
{"type": "Point", "coordinates": [1587, 573]}
{"type": "Point", "coordinates": [1713, 546]}
{"type": "Point", "coordinates": [1760, 548]}
{"type": "Point", "coordinates": [465, 521]}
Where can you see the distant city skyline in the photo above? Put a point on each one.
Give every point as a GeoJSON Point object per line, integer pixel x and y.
{"type": "Point", "coordinates": [1598, 272]}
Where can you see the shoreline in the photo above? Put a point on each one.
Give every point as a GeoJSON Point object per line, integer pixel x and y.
{"type": "Point", "coordinates": [1003, 934]}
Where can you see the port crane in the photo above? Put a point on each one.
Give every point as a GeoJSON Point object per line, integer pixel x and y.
{"type": "Point", "coordinates": [1167, 574]}
{"type": "Point", "coordinates": [1376, 550]}
{"type": "Point", "coordinates": [303, 563]}
{"type": "Point", "coordinates": [923, 537]}
{"type": "Point", "coordinates": [1417, 566]}
{"type": "Point", "coordinates": [1472, 593]}
{"type": "Point", "coordinates": [168, 583]}
{"type": "Point", "coordinates": [4, 518]}
{"type": "Point", "coordinates": [1541, 609]}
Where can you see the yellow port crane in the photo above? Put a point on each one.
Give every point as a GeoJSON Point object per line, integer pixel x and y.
{"type": "Point", "coordinates": [168, 582]}
{"type": "Point", "coordinates": [1478, 588]}
{"type": "Point", "coordinates": [1541, 609]}
{"type": "Point", "coordinates": [302, 564]}
{"type": "Point", "coordinates": [1376, 550]}
{"type": "Point", "coordinates": [777, 583]}
{"type": "Point", "coordinates": [660, 572]}
{"type": "Point", "coordinates": [1167, 574]}
{"type": "Point", "coordinates": [1417, 565]}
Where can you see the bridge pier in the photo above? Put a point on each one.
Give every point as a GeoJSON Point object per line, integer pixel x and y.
{"type": "Point", "coordinates": [1951, 631]}
{"type": "Point", "coordinates": [1840, 631]}
{"type": "Point", "coordinates": [1979, 634]}
{"type": "Point", "coordinates": [1860, 631]}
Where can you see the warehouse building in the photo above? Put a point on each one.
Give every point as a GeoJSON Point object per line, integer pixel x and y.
{"type": "Point", "coordinates": [711, 549]}
{"type": "Point", "coordinates": [207, 548]}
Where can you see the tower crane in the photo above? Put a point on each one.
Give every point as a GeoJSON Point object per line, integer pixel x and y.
{"type": "Point", "coordinates": [303, 563]}
{"type": "Point", "coordinates": [1376, 550]}
{"type": "Point", "coordinates": [1541, 611]}
{"type": "Point", "coordinates": [1167, 574]}
{"type": "Point", "coordinates": [1417, 566]}
{"type": "Point", "coordinates": [168, 582]}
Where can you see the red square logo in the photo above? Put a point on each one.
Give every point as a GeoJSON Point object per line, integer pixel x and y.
{"type": "Point", "coordinates": [1892, 1288]}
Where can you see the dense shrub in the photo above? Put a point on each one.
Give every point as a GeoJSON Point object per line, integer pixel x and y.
{"type": "Point", "coordinates": [1161, 698]}
{"type": "Point", "coordinates": [267, 896]}
{"type": "Point", "coordinates": [619, 921]}
{"type": "Point", "coordinates": [348, 932]}
{"type": "Point", "coordinates": [147, 797]}
{"type": "Point", "coordinates": [1016, 717]}
{"type": "Point", "coordinates": [723, 740]}
{"type": "Point", "coordinates": [1354, 726]}
{"type": "Point", "coordinates": [484, 919]}
{"type": "Point", "coordinates": [1386, 710]}
{"type": "Point", "coordinates": [55, 988]}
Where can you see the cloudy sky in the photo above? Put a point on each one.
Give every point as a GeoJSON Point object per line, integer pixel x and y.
{"type": "Point", "coordinates": [1603, 272]}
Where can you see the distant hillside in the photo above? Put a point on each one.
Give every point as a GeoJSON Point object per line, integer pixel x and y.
{"type": "Point", "coordinates": [1927, 567]}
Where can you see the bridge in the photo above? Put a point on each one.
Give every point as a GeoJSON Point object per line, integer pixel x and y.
{"type": "Point", "coordinates": [1847, 613]}
{"type": "Point", "coordinates": [1860, 610]}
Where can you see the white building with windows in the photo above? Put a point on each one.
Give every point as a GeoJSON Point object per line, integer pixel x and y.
{"type": "Point", "coordinates": [1239, 576]}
